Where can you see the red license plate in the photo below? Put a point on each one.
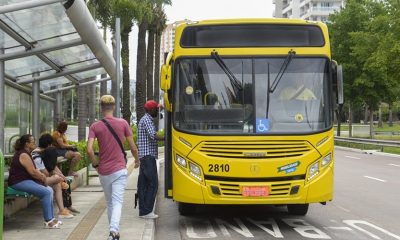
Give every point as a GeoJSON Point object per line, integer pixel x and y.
{"type": "Point", "coordinates": [255, 191]}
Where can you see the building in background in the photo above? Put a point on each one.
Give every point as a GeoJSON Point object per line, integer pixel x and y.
{"type": "Point", "coordinates": [315, 10]}
{"type": "Point", "coordinates": [168, 39]}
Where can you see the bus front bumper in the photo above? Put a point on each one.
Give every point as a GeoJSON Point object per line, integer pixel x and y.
{"type": "Point", "coordinates": [188, 190]}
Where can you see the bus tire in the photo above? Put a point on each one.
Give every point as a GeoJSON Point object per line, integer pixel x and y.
{"type": "Point", "coordinates": [186, 209]}
{"type": "Point", "coordinates": [298, 209]}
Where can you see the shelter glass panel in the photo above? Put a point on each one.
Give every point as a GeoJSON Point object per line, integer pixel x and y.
{"type": "Point", "coordinates": [53, 83]}
{"type": "Point", "coordinates": [7, 42]}
{"type": "Point", "coordinates": [25, 66]}
{"type": "Point", "coordinates": [39, 23]}
{"type": "Point", "coordinates": [72, 55]}
{"type": "Point", "coordinates": [92, 73]}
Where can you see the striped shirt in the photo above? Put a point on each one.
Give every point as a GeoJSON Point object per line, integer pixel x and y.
{"type": "Point", "coordinates": [147, 142]}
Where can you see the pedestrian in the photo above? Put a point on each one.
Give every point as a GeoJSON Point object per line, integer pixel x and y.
{"type": "Point", "coordinates": [64, 149]}
{"type": "Point", "coordinates": [46, 162]}
{"type": "Point", "coordinates": [111, 132]}
{"type": "Point", "coordinates": [148, 153]}
{"type": "Point", "coordinates": [25, 177]}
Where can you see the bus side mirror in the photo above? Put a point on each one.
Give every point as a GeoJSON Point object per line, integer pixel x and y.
{"type": "Point", "coordinates": [337, 72]}
{"type": "Point", "coordinates": [339, 75]}
{"type": "Point", "coordinates": [165, 78]}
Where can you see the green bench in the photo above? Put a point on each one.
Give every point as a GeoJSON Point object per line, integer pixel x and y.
{"type": "Point", "coordinates": [10, 192]}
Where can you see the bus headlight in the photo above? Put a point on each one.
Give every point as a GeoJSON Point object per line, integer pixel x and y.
{"type": "Point", "coordinates": [181, 161]}
{"type": "Point", "coordinates": [195, 171]}
{"type": "Point", "coordinates": [326, 160]}
{"type": "Point", "coordinates": [313, 170]}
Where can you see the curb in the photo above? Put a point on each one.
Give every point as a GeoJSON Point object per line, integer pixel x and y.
{"type": "Point", "coordinates": [150, 226]}
{"type": "Point", "coordinates": [374, 152]}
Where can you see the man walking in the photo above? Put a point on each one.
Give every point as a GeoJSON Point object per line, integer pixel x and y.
{"type": "Point", "coordinates": [111, 132]}
{"type": "Point", "coordinates": [148, 152]}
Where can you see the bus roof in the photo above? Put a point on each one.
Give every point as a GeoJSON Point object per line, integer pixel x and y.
{"type": "Point", "coordinates": [250, 20]}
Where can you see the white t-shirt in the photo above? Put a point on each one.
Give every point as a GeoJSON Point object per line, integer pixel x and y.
{"type": "Point", "coordinates": [37, 159]}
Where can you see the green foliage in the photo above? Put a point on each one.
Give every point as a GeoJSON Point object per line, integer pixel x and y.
{"type": "Point", "coordinates": [365, 41]}
{"type": "Point", "coordinates": [84, 162]}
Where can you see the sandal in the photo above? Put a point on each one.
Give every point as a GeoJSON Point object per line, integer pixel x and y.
{"type": "Point", "coordinates": [52, 224]}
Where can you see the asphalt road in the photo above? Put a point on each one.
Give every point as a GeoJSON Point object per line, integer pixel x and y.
{"type": "Point", "coordinates": [365, 206]}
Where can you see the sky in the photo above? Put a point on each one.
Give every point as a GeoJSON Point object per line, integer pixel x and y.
{"type": "Point", "coordinates": [202, 10]}
{"type": "Point", "coordinates": [218, 9]}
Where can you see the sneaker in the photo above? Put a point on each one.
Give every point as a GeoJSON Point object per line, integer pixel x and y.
{"type": "Point", "coordinates": [113, 236]}
{"type": "Point", "coordinates": [149, 216]}
{"type": "Point", "coordinates": [65, 214]}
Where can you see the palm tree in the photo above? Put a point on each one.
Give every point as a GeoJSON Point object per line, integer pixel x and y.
{"type": "Point", "coordinates": [106, 12]}
{"type": "Point", "coordinates": [150, 61]}
{"type": "Point", "coordinates": [142, 19]}
{"type": "Point", "coordinates": [145, 20]}
{"type": "Point", "coordinates": [160, 25]}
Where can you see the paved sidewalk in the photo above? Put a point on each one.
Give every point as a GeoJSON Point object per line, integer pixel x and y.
{"type": "Point", "coordinates": [91, 223]}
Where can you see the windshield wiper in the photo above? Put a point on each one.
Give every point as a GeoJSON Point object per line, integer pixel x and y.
{"type": "Point", "coordinates": [234, 81]}
{"type": "Point", "coordinates": [284, 66]}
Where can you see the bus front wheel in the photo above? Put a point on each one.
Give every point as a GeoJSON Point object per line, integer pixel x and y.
{"type": "Point", "coordinates": [297, 209]}
{"type": "Point", "coordinates": [186, 209]}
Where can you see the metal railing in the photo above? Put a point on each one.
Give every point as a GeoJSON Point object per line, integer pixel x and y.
{"type": "Point", "coordinates": [380, 143]}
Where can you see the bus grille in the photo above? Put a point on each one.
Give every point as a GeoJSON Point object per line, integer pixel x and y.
{"type": "Point", "coordinates": [256, 149]}
{"type": "Point", "coordinates": [232, 190]}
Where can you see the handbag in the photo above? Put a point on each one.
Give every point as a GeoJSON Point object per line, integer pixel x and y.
{"type": "Point", "coordinates": [116, 138]}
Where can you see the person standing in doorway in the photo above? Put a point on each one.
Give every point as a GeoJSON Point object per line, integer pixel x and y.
{"type": "Point", "coordinates": [111, 132]}
{"type": "Point", "coordinates": [148, 152]}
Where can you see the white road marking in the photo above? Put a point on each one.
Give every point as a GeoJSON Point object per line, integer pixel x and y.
{"type": "Point", "coordinates": [395, 165]}
{"type": "Point", "coordinates": [352, 157]}
{"type": "Point", "coordinates": [344, 209]}
{"type": "Point", "coordinates": [377, 179]}
{"type": "Point", "coordinates": [353, 223]}
{"type": "Point", "coordinates": [339, 228]}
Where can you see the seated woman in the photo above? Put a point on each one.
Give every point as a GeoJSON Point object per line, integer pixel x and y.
{"type": "Point", "coordinates": [25, 177]}
{"type": "Point", "coordinates": [64, 149]}
{"type": "Point", "coordinates": [40, 157]}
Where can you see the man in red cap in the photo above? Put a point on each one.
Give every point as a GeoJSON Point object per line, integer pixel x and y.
{"type": "Point", "coordinates": [148, 153]}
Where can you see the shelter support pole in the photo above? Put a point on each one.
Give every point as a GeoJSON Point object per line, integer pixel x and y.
{"type": "Point", "coordinates": [36, 108]}
{"type": "Point", "coordinates": [118, 65]}
{"type": "Point", "coordinates": [58, 109]}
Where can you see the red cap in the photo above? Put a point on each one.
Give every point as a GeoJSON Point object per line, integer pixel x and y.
{"type": "Point", "coordinates": [151, 104]}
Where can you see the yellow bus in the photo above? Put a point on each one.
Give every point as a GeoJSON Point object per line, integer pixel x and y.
{"type": "Point", "coordinates": [249, 114]}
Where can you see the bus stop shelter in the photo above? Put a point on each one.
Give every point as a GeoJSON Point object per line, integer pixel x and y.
{"type": "Point", "coordinates": [49, 46]}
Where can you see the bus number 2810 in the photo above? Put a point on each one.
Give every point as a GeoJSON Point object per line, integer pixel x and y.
{"type": "Point", "coordinates": [218, 167]}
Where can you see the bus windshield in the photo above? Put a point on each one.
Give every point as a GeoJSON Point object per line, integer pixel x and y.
{"type": "Point", "coordinates": [206, 101]}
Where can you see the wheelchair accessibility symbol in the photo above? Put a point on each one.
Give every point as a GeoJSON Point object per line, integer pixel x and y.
{"type": "Point", "coordinates": [262, 125]}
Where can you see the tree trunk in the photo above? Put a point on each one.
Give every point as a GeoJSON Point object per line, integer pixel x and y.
{"type": "Point", "coordinates": [380, 122]}
{"type": "Point", "coordinates": [103, 85]}
{"type": "Point", "coordinates": [141, 71]}
{"type": "Point", "coordinates": [126, 97]}
{"type": "Point", "coordinates": [149, 67]}
{"type": "Point", "coordinates": [390, 115]}
{"type": "Point", "coordinates": [157, 70]}
{"type": "Point", "coordinates": [91, 93]}
{"type": "Point", "coordinates": [82, 113]}
{"type": "Point", "coordinates": [366, 114]}
{"type": "Point", "coordinates": [350, 120]}
{"type": "Point", "coordinates": [371, 123]}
